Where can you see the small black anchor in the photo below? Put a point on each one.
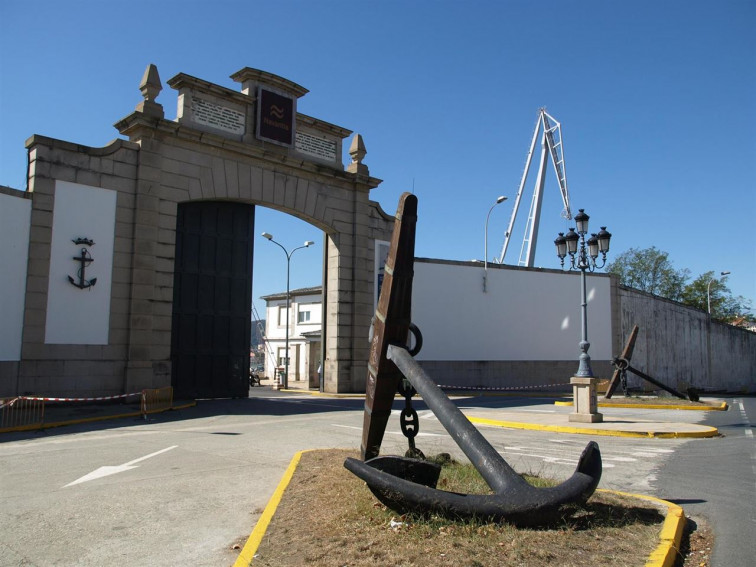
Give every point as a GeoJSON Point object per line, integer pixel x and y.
{"type": "Point", "coordinates": [85, 258]}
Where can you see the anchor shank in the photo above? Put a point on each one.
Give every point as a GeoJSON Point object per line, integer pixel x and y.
{"type": "Point", "coordinates": [489, 463]}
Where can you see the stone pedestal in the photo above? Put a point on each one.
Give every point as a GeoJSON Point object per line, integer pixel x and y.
{"type": "Point", "coordinates": [584, 400]}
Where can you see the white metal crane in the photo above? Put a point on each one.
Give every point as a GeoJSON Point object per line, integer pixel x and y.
{"type": "Point", "coordinates": [551, 144]}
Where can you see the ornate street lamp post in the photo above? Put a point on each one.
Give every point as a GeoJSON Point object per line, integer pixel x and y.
{"type": "Point", "coordinates": [308, 243]}
{"type": "Point", "coordinates": [499, 200]}
{"type": "Point", "coordinates": [574, 244]}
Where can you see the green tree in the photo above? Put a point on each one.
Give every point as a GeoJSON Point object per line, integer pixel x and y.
{"type": "Point", "coordinates": [650, 270]}
{"type": "Point", "coordinates": [724, 306]}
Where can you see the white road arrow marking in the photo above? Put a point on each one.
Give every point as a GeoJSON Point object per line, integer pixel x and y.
{"type": "Point", "coordinates": [108, 470]}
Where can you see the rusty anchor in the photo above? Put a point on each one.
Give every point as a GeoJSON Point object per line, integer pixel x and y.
{"type": "Point", "coordinates": [409, 485]}
{"type": "Point", "coordinates": [622, 367]}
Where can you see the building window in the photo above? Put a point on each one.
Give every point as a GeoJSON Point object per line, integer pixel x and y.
{"type": "Point", "coordinates": [282, 357]}
{"type": "Point", "coordinates": [282, 316]}
{"type": "Point", "coordinates": [304, 317]}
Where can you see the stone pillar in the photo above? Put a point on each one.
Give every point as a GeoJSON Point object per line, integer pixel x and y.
{"type": "Point", "coordinates": [584, 400]}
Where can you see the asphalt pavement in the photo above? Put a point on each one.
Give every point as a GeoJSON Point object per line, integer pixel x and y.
{"type": "Point", "coordinates": [201, 474]}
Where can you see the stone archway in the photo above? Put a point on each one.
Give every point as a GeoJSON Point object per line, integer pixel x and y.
{"type": "Point", "coordinates": [217, 149]}
{"type": "Point", "coordinates": [248, 147]}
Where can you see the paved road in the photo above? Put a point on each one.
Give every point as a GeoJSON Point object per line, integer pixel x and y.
{"type": "Point", "coordinates": [186, 486]}
{"type": "Point", "coordinates": [716, 479]}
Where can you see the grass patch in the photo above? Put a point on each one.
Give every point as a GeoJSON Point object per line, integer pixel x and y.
{"type": "Point", "coordinates": [328, 517]}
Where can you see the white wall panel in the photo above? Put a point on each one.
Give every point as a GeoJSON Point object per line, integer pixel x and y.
{"type": "Point", "coordinates": [15, 213]}
{"type": "Point", "coordinates": [76, 316]}
{"type": "Point", "coordinates": [525, 315]}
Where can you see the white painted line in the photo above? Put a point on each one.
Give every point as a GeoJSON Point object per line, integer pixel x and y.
{"type": "Point", "coordinates": [109, 470]}
{"type": "Point", "coordinates": [749, 432]}
{"type": "Point", "coordinates": [643, 454]}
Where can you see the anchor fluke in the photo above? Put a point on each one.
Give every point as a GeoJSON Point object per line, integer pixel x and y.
{"type": "Point", "coordinates": [523, 506]}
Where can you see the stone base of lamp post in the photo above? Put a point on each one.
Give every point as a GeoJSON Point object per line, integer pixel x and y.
{"type": "Point", "coordinates": [278, 383]}
{"type": "Point", "coordinates": [584, 400]}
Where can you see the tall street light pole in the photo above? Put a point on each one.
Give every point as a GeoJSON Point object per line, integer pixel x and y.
{"type": "Point", "coordinates": [708, 292]}
{"type": "Point", "coordinates": [708, 334]}
{"type": "Point", "coordinates": [583, 260]}
{"type": "Point", "coordinates": [499, 200]}
{"type": "Point", "coordinates": [288, 271]}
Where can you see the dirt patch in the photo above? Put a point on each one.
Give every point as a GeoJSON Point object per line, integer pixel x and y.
{"type": "Point", "coordinates": [697, 544]}
{"type": "Point", "coordinates": [328, 517]}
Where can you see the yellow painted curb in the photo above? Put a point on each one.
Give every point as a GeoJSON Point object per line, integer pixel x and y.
{"type": "Point", "coordinates": [707, 432]}
{"type": "Point", "coordinates": [255, 538]}
{"type": "Point", "coordinates": [320, 394]}
{"type": "Point", "coordinates": [38, 426]}
{"type": "Point", "coordinates": [664, 555]}
{"type": "Point", "coordinates": [722, 407]}
{"type": "Point", "coordinates": [671, 532]}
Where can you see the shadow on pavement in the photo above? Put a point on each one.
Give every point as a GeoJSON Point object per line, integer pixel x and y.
{"type": "Point", "coordinates": [63, 419]}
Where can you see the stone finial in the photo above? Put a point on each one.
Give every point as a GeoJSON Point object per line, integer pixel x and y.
{"type": "Point", "coordinates": [150, 88]}
{"type": "Point", "coordinates": [357, 151]}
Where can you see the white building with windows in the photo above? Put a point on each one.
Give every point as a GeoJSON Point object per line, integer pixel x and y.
{"type": "Point", "coordinates": [305, 323]}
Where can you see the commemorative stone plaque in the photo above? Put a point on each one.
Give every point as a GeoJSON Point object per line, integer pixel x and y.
{"type": "Point", "coordinates": [210, 114]}
{"type": "Point", "coordinates": [315, 147]}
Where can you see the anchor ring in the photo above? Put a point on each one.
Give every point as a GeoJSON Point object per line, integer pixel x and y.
{"type": "Point", "coordinates": [418, 340]}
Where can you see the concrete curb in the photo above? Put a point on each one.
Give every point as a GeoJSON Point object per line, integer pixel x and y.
{"type": "Point", "coordinates": [255, 538]}
{"type": "Point", "coordinates": [707, 432]}
{"type": "Point", "coordinates": [39, 426]}
{"type": "Point", "coordinates": [722, 407]}
{"type": "Point", "coordinates": [664, 555]}
{"type": "Point", "coordinates": [670, 536]}
{"type": "Point", "coordinates": [320, 394]}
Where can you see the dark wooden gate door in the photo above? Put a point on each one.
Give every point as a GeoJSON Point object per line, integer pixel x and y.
{"type": "Point", "coordinates": [212, 300]}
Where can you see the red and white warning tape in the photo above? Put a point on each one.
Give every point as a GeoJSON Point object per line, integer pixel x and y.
{"type": "Point", "coordinates": [99, 399]}
{"type": "Point", "coordinates": [502, 389]}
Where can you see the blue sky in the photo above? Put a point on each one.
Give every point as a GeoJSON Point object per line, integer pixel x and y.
{"type": "Point", "coordinates": [656, 101]}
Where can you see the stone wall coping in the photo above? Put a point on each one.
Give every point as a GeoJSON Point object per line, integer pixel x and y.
{"type": "Point", "coordinates": [112, 146]}
{"type": "Point", "coordinates": [11, 192]}
{"type": "Point", "coordinates": [491, 266]}
{"type": "Point", "coordinates": [182, 81]}
{"type": "Point", "coordinates": [250, 77]}
{"type": "Point", "coordinates": [137, 124]}
{"type": "Point", "coordinates": [322, 125]}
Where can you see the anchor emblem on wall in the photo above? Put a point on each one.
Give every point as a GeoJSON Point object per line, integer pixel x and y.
{"type": "Point", "coordinates": [84, 258]}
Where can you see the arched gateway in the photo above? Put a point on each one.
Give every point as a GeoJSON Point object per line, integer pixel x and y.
{"type": "Point", "coordinates": [162, 317]}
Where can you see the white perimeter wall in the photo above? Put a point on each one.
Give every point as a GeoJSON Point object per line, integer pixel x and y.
{"type": "Point", "coordinates": [76, 316]}
{"type": "Point", "coordinates": [15, 215]}
{"type": "Point", "coordinates": [525, 315]}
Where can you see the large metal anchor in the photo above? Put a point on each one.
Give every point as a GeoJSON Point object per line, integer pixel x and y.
{"type": "Point", "coordinates": [405, 484]}
{"type": "Point", "coordinates": [409, 485]}
{"type": "Point", "coordinates": [622, 367]}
